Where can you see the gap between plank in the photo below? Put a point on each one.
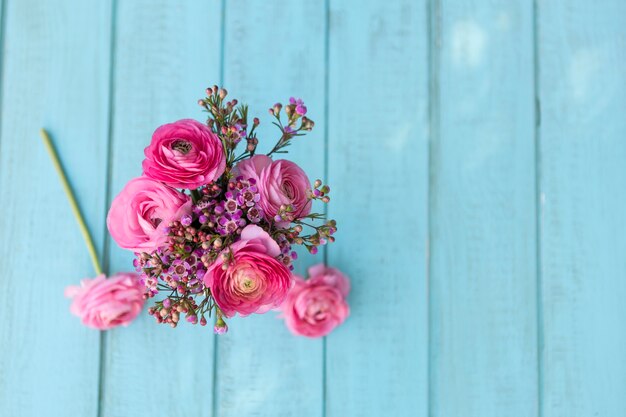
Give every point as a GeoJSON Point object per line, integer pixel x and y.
{"type": "Point", "coordinates": [107, 197]}
{"type": "Point", "coordinates": [538, 210]}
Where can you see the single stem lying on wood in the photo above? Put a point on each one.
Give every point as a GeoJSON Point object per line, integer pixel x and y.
{"type": "Point", "coordinates": [72, 199]}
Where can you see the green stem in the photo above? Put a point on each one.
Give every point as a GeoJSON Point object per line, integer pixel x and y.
{"type": "Point", "coordinates": [72, 199]}
{"type": "Point", "coordinates": [195, 195]}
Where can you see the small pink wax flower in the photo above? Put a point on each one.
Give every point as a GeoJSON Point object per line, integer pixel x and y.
{"type": "Point", "coordinates": [250, 279]}
{"type": "Point", "coordinates": [184, 154]}
{"type": "Point", "coordinates": [103, 303]}
{"type": "Point", "coordinates": [314, 307]}
{"type": "Point", "coordinates": [141, 212]}
{"type": "Point", "coordinates": [281, 183]}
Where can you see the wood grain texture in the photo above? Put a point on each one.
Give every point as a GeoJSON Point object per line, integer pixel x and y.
{"type": "Point", "coordinates": [439, 169]}
{"type": "Point", "coordinates": [166, 55]}
{"type": "Point", "coordinates": [483, 346]}
{"type": "Point", "coordinates": [582, 56]}
{"type": "Point", "coordinates": [378, 171]}
{"type": "Point", "coordinates": [52, 79]}
{"type": "Point", "coordinates": [262, 370]}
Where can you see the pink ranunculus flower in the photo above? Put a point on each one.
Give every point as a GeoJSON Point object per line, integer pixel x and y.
{"type": "Point", "coordinates": [103, 303]}
{"type": "Point", "coordinates": [280, 182]}
{"type": "Point", "coordinates": [283, 183]}
{"type": "Point", "coordinates": [252, 167]}
{"type": "Point", "coordinates": [184, 154]}
{"type": "Point", "coordinates": [141, 212]}
{"type": "Point", "coordinates": [253, 280]}
{"type": "Point", "coordinates": [314, 307]}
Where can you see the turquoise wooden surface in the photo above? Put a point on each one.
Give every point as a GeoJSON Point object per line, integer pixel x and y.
{"type": "Point", "coordinates": [582, 88]}
{"type": "Point", "coordinates": [377, 134]}
{"type": "Point", "coordinates": [475, 153]}
{"type": "Point", "coordinates": [483, 344]}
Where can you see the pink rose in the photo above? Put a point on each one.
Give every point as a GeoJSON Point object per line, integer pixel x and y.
{"type": "Point", "coordinates": [280, 182]}
{"type": "Point", "coordinates": [103, 303]}
{"type": "Point", "coordinates": [184, 154]}
{"type": "Point", "coordinates": [141, 212]}
{"type": "Point", "coordinates": [254, 281]}
{"type": "Point", "coordinates": [314, 307]}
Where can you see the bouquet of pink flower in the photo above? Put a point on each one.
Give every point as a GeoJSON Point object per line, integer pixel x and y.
{"type": "Point", "coordinates": [214, 230]}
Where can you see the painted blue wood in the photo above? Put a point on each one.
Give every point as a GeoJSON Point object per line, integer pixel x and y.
{"type": "Point", "coordinates": [378, 170]}
{"type": "Point", "coordinates": [483, 345]}
{"type": "Point", "coordinates": [433, 150]}
{"type": "Point", "coordinates": [53, 79]}
{"type": "Point", "coordinates": [582, 85]}
{"type": "Point", "coordinates": [166, 54]}
{"type": "Point", "coordinates": [263, 370]}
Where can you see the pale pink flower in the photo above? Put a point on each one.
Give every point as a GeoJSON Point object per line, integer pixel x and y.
{"type": "Point", "coordinates": [141, 212]}
{"type": "Point", "coordinates": [253, 280]}
{"type": "Point", "coordinates": [184, 154]}
{"type": "Point", "coordinates": [314, 307]}
{"type": "Point", "coordinates": [103, 303]}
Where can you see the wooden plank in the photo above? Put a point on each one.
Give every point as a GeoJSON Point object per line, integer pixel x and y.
{"type": "Point", "coordinates": [582, 55]}
{"type": "Point", "coordinates": [377, 363]}
{"type": "Point", "coordinates": [483, 347]}
{"type": "Point", "coordinates": [262, 370]}
{"type": "Point", "coordinates": [167, 53]}
{"type": "Point", "coordinates": [55, 75]}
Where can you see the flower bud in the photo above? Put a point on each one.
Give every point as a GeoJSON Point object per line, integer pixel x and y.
{"type": "Point", "coordinates": [307, 124]}
{"type": "Point", "coordinates": [317, 183]}
{"type": "Point", "coordinates": [222, 93]}
{"type": "Point", "coordinates": [220, 326]}
{"type": "Point", "coordinates": [186, 220]}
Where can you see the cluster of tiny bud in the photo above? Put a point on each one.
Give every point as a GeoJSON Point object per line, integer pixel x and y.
{"type": "Point", "coordinates": [295, 112]}
{"type": "Point", "coordinates": [320, 192]}
{"type": "Point", "coordinates": [182, 278]}
{"type": "Point", "coordinates": [168, 310]}
{"type": "Point", "coordinates": [229, 120]}
{"type": "Point", "coordinates": [320, 236]}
